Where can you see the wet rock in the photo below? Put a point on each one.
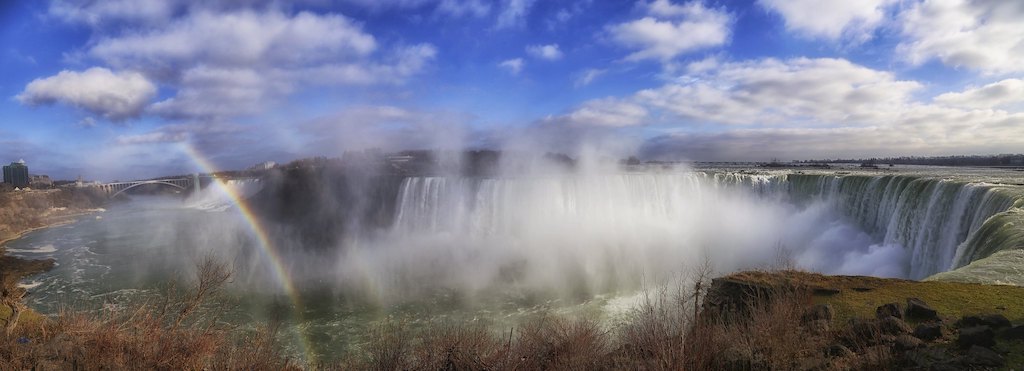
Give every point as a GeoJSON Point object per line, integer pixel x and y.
{"type": "Point", "coordinates": [889, 310]}
{"type": "Point", "coordinates": [928, 331]}
{"type": "Point", "coordinates": [977, 335]}
{"type": "Point", "coordinates": [919, 310]}
{"type": "Point", "coordinates": [981, 356]}
{"type": "Point", "coordinates": [819, 312]}
{"type": "Point", "coordinates": [907, 342]}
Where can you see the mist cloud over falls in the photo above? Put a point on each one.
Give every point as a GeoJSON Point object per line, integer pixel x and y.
{"type": "Point", "coordinates": [567, 235]}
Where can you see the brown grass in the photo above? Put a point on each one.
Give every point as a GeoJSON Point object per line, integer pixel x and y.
{"type": "Point", "coordinates": [177, 334]}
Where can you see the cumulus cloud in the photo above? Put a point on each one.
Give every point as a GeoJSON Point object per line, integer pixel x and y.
{"type": "Point", "coordinates": [607, 112]}
{"type": "Point", "coordinates": [549, 52]}
{"type": "Point", "coordinates": [798, 91]}
{"type": "Point", "coordinates": [831, 19]}
{"type": "Point", "coordinates": [238, 62]}
{"type": "Point", "coordinates": [513, 66]}
{"type": "Point", "coordinates": [114, 96]}
{"type": "Point", "coordinates": [244, 38]}
{"type": "Point", "coordinates": [670, 30]}
{"type": "Point", "coordinates": [979, 35]}
{"type": "Point", "coordinates": [1005, 92]}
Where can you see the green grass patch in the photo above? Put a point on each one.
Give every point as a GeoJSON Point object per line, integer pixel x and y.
{"type": "Point", "coordinates": [858, 296]}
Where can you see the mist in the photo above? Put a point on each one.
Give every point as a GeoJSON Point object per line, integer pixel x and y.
{"type": "Point", "coordinates": [534, 228]}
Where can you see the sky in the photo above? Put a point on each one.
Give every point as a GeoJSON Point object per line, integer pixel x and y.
{"type": "Point", "coordinates": [127, 89]}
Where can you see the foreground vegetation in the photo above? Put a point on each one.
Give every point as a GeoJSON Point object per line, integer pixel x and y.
{"type": "Point", "coordinates": [180, 333]}
{"type": "Point", "coordinates": [783, 320]}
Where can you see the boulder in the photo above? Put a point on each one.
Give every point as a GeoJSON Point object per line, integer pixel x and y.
{"type": "Point", "coordinates": [996, 321]}
{"type": "Point", "coordinates": [928, 331]}
{"type": "Point", "coordinates": [981, 356]}
{"type": "Point", "coordinates": [819, 312]}
{"type": "Point", "coordinates": [1016, 332]}
{"type": "Point", "coordinates": [893, 326]}
{"type": "Point", "coordinates": [977, 335]}
{"type": "Point", "coordinates": [991, 320]}
{"type": "Point", "coordinates": [889, 310]}
{"type": "Point", "coordinates": [919, 310]}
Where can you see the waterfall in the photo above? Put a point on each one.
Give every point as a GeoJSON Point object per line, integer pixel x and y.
{"type": "Point", "coordinates": [942, 224]}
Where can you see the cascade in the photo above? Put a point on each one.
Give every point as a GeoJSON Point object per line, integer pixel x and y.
{"type": "Point", "coordinates": [942, 224]}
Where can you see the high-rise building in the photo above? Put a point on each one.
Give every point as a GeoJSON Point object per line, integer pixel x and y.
{"type": "Point", "coordinates": [16, 174]}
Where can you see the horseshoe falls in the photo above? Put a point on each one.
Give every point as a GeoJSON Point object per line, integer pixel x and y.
{"type": "Point", "coordinates": [928, 223]}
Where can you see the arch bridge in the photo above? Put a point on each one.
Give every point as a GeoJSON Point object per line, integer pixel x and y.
{"type": "Point", "coordinates": [117, 188]}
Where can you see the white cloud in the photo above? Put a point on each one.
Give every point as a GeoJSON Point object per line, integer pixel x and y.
{"type": "Point", "coordinates": [244, 38]}
{"type": "Point", "coordinates": [513, 13]}
{"type": "Point", "coordinates": [979, 35]}
{"type": "Point", "coordinates": [96, 12]}
{"type": "Point", "coordinates": [606, 112]}
{"type": "Point", "coordinates": [115, 96]}
{"type": "Point", "coordinates": [207, 92]}
{"type": "Point", "coordinates": [799, 91]}
{"type": "Point", "coordinates": [670, 30]}
{"type": "Point", "coordinates": [514, 66]}
{"type": "Point", "coordinates": [588, 76]}
{"type": "Point", "coordinates": [549, 52]}
{"type": "Point", "coordinates": [239, 62]}
{"type": "Point", "coordinates": [1005, 92]}
{"type": "Point", "coordinates": [921, 131]}
{"type": "Point", "coordinates": [831, 19]}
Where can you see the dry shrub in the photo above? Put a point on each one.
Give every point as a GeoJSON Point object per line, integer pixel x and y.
{"type": "Point", "coordinates": [174, 335]}
{"type": "Point", "coordinates": [561, 344]}
{"type": "Point", "coordinates": [452, 347]}
{"type": "Point", "coordinates": [389, 347]}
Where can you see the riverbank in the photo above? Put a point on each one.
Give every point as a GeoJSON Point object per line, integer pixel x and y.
{"type": "Point", "coordinates": [23, 212]}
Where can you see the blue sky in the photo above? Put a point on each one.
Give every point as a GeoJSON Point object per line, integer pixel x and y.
{"type": "Point", "coordinates": [119, 89]}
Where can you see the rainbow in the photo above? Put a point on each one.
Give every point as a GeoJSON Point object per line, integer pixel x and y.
{"type": "Point", "coordinates": [266, 248]}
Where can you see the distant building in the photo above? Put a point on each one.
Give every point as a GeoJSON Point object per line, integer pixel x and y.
{"type": "Point", "coordinates": [40, 181]}
{"type": "Point", "coordinates": [16, 174]}
{"type": "Point", "coordinates": [264, 166]}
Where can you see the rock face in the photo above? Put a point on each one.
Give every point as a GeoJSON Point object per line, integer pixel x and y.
{"type": "Point", "coordinates": [919, 310]}
{"type": "Point", "coordinates": [976, 336]}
